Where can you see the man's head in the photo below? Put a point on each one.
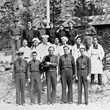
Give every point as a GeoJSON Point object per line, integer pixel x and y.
{"type": "Point", "coordinates": [29, 24]}
{"type": "Point", "coordinates": [34, 55]}
{"type": "Point", "coordinates": [51, 50]}
{"type": "Point", "coordinates": [78, 40]}
{"type": "Point", "coordinates": [41, 25]}
{"type": "Point", "coordinates": [24, 43]}
{"type": "Point", "coordinates": [51, 25]}
{"type": "Point", "coordinates": [64, 40]}
{"type": "Point", "coordinates": [36, 41]}
{"type": "Point", "coordinates": [45, 39]}
{"type": "Point", "coordinates": [82, 50]}
{"type": "Point", "coordinates": [20, 54]}
{"type": "Point", "coordinates": [16, 22]}
{"type": "Point", "coordinates": [66, 50]}
{"type": "Point", "coordinates": [56, 41]}
{"type": "Point", "coordinates": [61, 27]}
{"type": "Point", "coordinates": [95, 40]}
{"type": "Point", "coordinates": [70, 24]}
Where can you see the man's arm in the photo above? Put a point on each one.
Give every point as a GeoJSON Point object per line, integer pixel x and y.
{"type": "Point", "coordinates": [73, 66]}
{"type": "Point", "coordinates": [89, 66]}
{"type": "Point", "coordinates": [54, 63]}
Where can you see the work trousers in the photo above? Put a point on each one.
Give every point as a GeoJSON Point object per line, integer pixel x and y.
{"type": "Point", "coordinates": [35, 82]}
{"type": "Point", "coordinates": [66, 79]}
{"type": "Point", "coordinates": [82, 80]}
{"type": "Point", "coordinates": [16, 44]}
{"type": "Point", "coordinates": [20, 80]}
{"type": "Point", "coordinates": [51, 80]}
{"type": "Point", "coordinates": [99, 79]}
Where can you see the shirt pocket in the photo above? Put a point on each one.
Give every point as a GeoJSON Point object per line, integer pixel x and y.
{"type": "Point", "coordinates": [69, 63]}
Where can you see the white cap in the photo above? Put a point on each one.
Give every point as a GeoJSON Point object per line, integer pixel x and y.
{"type": "Point", "coordinates": [45, 36]}
{"type": "Point", "coordinates": [65, 38]}
{"type": "Point", "coordinates": [82, 47]}
{"type": "Point", "coordinates": [36, 39]}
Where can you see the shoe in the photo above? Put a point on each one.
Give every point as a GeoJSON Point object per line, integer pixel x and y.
{"type": "Point", "coordinates": [86, 103]}
{"type": "Point", "coordinates": [78, 103]}
{"type": "Point", "coordinates": [63, 102]}
{"type": "Point", "coordinates": [17, 104]}
{"type": "Point", "coordinates": [23, 104]}
{"type": "Point", "coordinates": [40, 103]}
{"type": "Point", "coordinates": [32, 103]}
{"type": "Point", "coordinates": [70, 102]}
{"type": "Point", "coordinates": [48, 103]}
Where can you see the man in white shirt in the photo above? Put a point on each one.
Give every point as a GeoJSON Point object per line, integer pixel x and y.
{"type": "Point", "coordinates": [26, 50]}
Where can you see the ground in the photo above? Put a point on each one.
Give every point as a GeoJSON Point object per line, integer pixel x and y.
{"type": "Point", "coordinates": [99, 96]}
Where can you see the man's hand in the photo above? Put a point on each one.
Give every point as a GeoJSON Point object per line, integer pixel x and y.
{"type": "Point", "coordinates": [29, 80]}
{"type": "Point", "coordinates": [76, 78]}
{"type": "Point", "coordinates": [48, 63]}
{"type": "Point", "coordinates": [88, 77]}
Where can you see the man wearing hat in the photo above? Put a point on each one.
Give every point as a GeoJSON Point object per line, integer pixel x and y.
{"type": "Point", "coordinates": [83, 66]}
{"type": "Point", "coordinates": [26, 50]}
{"type": "Point", "coordinates": [76, 48]}
{"type": "Point", "coordinates": [96, 53]}
{"type": "Point", "coordinates": [15, 34]}
{"type": "Point", "coordinates": [20, 76]}
{"type": "Point", "coordinates": [35, 47]}
{"type": "Point", "coordinates": [43, 47]}
{"type": "Point", "coordinates": [66, 71]}
{"type": "Point", "coordinates": [64, 43]}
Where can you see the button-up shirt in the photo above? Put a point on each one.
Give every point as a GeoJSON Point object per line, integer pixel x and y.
{"type": "Point", "coordinates": [66, 61]}
{"type": "Point", "coordinates": [83, 63]}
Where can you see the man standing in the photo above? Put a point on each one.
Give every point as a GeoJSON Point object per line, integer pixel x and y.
{"type": "Point", "coordinates": [52, 33]}
{"type": "Point", "coordinates": [29, 33]}
{"type": "Point", "coordinates": [96, 53]}
{"type": "Point", "coordinates": [20, 76]}
{"type": "Point", "coordinates": [66, 70]}
{"type": "Point", "coordinates": [16, 34]}
{"type": "Point", "coordinates": [83, 65]}
{"type": "Point", "coordinates": [50, 63]}
{"type": "Point", "coordinates": [26, 50]}
{"type": "Point", "coordinates": [34, 76]}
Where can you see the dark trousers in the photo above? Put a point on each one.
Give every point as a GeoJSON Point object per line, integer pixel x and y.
{"type": "Point", "coordinates": [99, 79]}
{"type": "Point", "coordinates": [35, 81]}
{"type": "Point", "coordinates": [66, 79]}
{"type": "Point", "coordinates": [82, 81]}
{"type": "Point", "coordinates": [20, 80]}
{"type": "Point", "coordinates": [51, 80]}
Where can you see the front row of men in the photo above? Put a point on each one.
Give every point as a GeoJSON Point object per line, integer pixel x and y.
{"type": "Point", "coordinates": [67, 70]}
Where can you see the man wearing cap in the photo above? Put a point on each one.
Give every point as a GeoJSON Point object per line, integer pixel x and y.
{"type": "Point", "coordinates": [52, 33]}
{"type": "Point", "coordinates": [15, 34]}
{"type": "Point", "coordinates": [76, 48]}
{"type": "Point", "coordinates": [64, 43]}
{"type": "Point", "coordinates": [96, 54]}
{"type": "Point", "coordinates": [35, 47]}
{"type": "Point", "coordinates": [50, 63]}
{"type": "Point", "coordinates": [20, 76]}
{"type": "Point", "coordinates": [66, 71]}
{"type": "Point", "coordinates": [26, 50]}
{"type": "Point", "coordinates": [34, 76]}
{"type": "Point", "coordinates": [71, 32]}
{"type": "Point", "coordinates": [43, 47]}
{"type": "Point", "coordinates": [29, 33]}
{"type": "Point", "coordinates": [83, 66]}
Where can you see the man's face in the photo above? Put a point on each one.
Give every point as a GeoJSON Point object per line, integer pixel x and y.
{"type": "Point", "coordinates": [66, 50]}
{"type": "Point", "coordinates": [35, 43]}
{"type": "Point", "coordinates": [42, 25]}
{"type": "Point", "coordinates": [56, 40]}
{"type": "Point", "coordinates": [51, 25]}
{"type": "Point", "coordinates": [51, 51]}
{"type": "Point", "coordinates": [20, 56]}
{"type": "Point", "coordinates": [16, 23]}
{"type": "Point", "coordinates": [24, 44]}
{"type": "Point", "coordinates": [61, 27]}
{"type": "Point", "coordinates": [82, 51]}
{"type": "Point", "coordinates": [44, 40]}
{"type": "Point", "coordinates": [64, 41]}
{"type": "Point", "coordinates": [78, 41]}
{"type": "Point", "coordinates": [34, 56]}
{"type": "Point", "coordinates": [95, 41]}
{"type": "Point", "coordinates": [29, 24]}
{"type": "Point", "coordinates": [70, 25]}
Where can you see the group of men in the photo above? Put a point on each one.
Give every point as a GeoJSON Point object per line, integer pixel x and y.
{"type": "Point", "coordinates": [54, 59]}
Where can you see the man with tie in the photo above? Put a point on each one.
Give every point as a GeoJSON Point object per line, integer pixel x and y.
{"type": "Point", "coordinates": [20, 76]}
{"type": "Point", "coordinates": [83, 66]}
{"type": "Point", "coordinates": [66, 70]}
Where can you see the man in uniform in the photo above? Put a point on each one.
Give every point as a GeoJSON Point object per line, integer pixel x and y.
{"type": "Point", "coordinates": [50, 63]}
{"type": "Point", "coordinates": [20, 76]}
{"type": "Point", "coordinates": [83, 65]}
{"type": "Point", "coordinates": [34, 76]}
{"type": "Point", "coordinates": [66, 70]}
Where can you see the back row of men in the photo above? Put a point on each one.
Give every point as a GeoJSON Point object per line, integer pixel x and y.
{"type": "Point", "coordinates": [72, 61]}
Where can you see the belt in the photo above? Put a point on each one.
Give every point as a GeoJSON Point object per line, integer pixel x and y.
{"type": "Point", "coordinates": [26, 57]}
{"type": "Point", "coordinates": [82, 69]}
{"type": "Point", "coordinates": [34, 71]}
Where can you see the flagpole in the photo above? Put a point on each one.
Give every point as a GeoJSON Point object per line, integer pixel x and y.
{"type": "Point", "coordinates": [48, 13]}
